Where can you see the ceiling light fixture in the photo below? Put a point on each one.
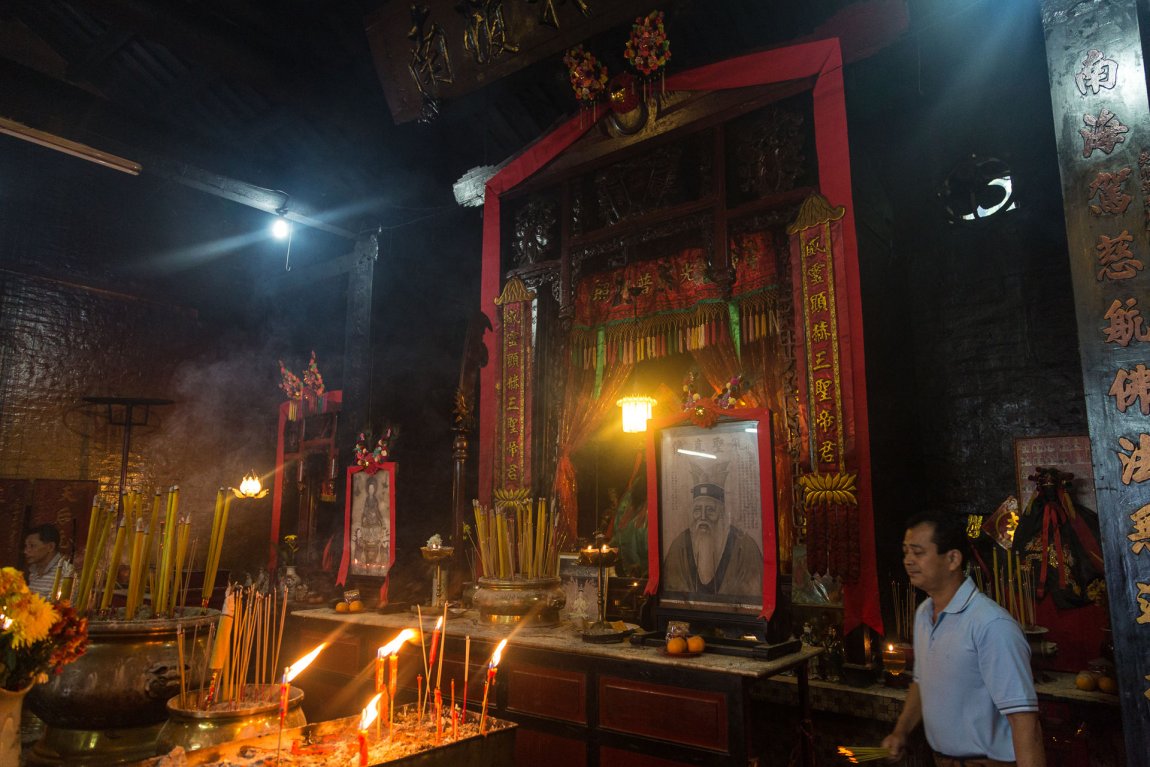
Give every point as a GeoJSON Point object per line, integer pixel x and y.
{"type": "Point", "coordinates": [281, 228]}
{"type": "Point", "coordinates": [74, 148]}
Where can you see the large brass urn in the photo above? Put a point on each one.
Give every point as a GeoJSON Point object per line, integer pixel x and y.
{"type": "Point", "coordinates": [107, 707]}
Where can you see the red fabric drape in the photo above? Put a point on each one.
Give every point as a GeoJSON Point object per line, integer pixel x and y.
{"type": "Point", "coordinates": [582, 415]}
{"type": "Point", "coordinates": [821, 59]}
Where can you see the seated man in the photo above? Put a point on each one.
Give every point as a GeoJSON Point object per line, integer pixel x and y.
{"type": "Point", "coordinates": [42, 558]}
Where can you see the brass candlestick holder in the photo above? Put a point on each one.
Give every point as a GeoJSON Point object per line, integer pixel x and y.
{"type": "Point", "coordinates": [602, 556]}
{"type": "Point", "coordinates": [438, 555]}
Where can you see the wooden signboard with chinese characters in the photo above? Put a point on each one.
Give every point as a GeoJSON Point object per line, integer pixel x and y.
{"type": "Point", "coordinates": [1102, 124]}
{"type": "Point", "coordinates": [441, 49]}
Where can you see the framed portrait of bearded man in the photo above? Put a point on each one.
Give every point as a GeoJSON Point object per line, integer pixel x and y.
{"type": "Point", "coordinates": [715, 509]}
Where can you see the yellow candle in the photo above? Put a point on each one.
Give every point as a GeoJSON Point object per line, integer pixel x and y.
{"type": "Point", "coordinates": [114, 565]}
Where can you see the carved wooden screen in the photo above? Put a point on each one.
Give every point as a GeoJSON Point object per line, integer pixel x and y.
{"type": "Point", "coordinates": [711, 183]}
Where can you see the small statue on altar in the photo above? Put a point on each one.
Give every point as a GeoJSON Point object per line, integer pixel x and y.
{"type": "Point", "coordinates": [833, 657]}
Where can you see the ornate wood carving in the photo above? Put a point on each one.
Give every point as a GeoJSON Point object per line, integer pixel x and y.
{"type": "Point", "coordinates": [769, 152]}
{"type": "Point", "coordinates": [536, 232]}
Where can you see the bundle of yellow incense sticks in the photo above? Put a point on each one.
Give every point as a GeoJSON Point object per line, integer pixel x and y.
{"type": "Point", "coordinates": [856, 754]}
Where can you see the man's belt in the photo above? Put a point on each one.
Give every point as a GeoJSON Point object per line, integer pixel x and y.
{"type": "Point", "coordinates": [942, 760]}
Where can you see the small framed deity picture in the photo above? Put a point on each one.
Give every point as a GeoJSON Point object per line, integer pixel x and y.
{"type": "Point", "coordinates": [714, 514]}
{"type": "Point", "coordinates": [1067, 454]}
{"type": "Point", "coordinates": [369, 520]}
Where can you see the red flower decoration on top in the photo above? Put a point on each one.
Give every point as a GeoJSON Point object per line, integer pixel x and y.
{"type": "Point", "coordinates": [648, 50]}
{"type": "Point", "coordinates": [588, 76]}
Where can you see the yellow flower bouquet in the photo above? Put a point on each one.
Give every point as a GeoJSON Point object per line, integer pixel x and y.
{"type": "Point", "coordinates": [36, 637]}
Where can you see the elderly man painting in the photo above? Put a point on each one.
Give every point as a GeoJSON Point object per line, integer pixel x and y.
{"type": "Point", "coordinates": [713, 556]}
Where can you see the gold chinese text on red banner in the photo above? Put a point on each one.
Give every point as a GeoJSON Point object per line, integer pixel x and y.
{"type": "Point", "coordinates": [830, 495]}
{"type": "Point", "coordinates": [513, 458]}
{"type": "Point", "coordinates": [825, 436]}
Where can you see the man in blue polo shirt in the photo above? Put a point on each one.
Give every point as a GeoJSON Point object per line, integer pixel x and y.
{"type": "Point", "coordinates": [973, 689]}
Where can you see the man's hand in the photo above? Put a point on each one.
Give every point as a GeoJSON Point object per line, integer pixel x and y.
{"type": "Point", "coordinates": [896, 744]}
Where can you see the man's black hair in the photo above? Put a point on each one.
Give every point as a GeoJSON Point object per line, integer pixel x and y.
{"type": "Point", "coordinates": [949, 531]}
{"type": "Point", "coordinates": [47, 532]}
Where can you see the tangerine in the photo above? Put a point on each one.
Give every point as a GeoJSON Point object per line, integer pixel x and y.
{"type": "Point", "coordinates": [355, 607]}
{"type": "Point", "coordinates": [695, 644]}
{"type": "Point", "coordinates": [342, 607]}
{"type": "Point", "coordinates": [676, 646]}
{"type": "Point", "coordinates": [1108, 684]}
{"type": "Point", "coordinates": [1086, 681]}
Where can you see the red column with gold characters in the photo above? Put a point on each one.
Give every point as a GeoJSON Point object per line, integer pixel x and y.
{"type": "Point", "coordinates": [513, 439]}
{"type": "Point", "coordinates": [838, 516]}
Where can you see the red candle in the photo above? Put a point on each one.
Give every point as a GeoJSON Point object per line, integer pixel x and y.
{"type": "Point", "coordinates": [466, 669]}
{"type": "Point", "coordinates": [366, 717]}
{"type": "Point", "coordinates": [438, 716]}
{"type": "Point", "coordinates": [284, 687]}
{"type": "Point", "coordinates": [434, 645]}
{"type": "Point", "coordinates": [488, 682]}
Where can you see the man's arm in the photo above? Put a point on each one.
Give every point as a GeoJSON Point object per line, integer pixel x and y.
{"type": "Point", "coordinates": [910, 718]}
{"type": "Point", "coordinates": [1026, 732]}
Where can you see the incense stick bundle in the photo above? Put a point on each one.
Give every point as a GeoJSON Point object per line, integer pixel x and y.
{"type": "Point", "coordinates": [517, 538]}
{"type": "Point", "coordinates": [856, 754]}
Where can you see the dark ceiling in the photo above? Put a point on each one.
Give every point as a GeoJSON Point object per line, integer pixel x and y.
{"type": "Point", "coordinates": [285, 95]}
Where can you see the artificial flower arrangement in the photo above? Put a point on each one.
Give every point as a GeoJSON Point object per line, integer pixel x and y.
{"type": "Point", "coordinates": [295, 387]}
{"type": "Point", "coordinates": [588, 76]}
{"type": "Point", "coordinates": [372, 460]}
{"type": "Point", "coordinates": [37, 638]}
{"type": "Point", "coordinates": [731, 395]}
{"type": "Point", "coordinates": [648, 48]}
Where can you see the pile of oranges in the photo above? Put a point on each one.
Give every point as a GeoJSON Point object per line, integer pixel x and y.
{"type": "Point", "coordinates": [678, 645]}
{"type": "Point", "coordinates": [1094, 680]}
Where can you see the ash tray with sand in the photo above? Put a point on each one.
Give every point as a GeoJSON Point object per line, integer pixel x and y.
{"type": "Point", "coordinates": [409, 741]}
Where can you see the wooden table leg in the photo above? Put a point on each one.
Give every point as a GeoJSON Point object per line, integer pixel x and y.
{"type": "Point", "coordinates": [806, 732]}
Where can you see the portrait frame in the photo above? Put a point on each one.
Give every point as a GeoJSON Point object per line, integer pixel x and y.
{"type": "Point", "coordinates": [368, 548]}
{"type": "Point", "coordinates": [748, 489]}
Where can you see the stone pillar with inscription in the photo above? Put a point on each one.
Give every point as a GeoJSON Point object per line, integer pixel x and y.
{"type": "Point", "coordinates": [1102, 128]}
{"type": "Point", "coordinates": [516, 373]}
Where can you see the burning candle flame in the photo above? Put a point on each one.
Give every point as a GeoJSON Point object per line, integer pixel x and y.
{"type": "Point", "coordinates": [370, 712]}
{"type": "Point", "coordinates": [392, 647]}
{"type": "Point", "coordinates": [439, 623]}
{"type": "Point", "coordinates": [497, 654]}
{"type": "Point", "coordinates": [296, 668]}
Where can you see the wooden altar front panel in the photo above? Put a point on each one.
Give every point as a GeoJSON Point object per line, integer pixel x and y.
{"type": "Point", "coordinates": [600, 708]}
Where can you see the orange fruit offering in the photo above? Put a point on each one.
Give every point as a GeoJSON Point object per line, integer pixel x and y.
{"type": "Point", "coordinates": [355, 607]}
{"type": "Point", "coordinates": [695, 644]}
{"type": "Point", "coordinates": [1108, 684]}
{"type": "Point", "coordinates": [1086, 681]}
{"type": "Point", "coordinates": [342, 607]}
{"type": "Point", "coordinates": [676, 646]}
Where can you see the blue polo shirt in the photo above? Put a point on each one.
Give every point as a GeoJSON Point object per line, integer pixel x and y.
{"type": "Point", "coordinates": [972, 667]}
